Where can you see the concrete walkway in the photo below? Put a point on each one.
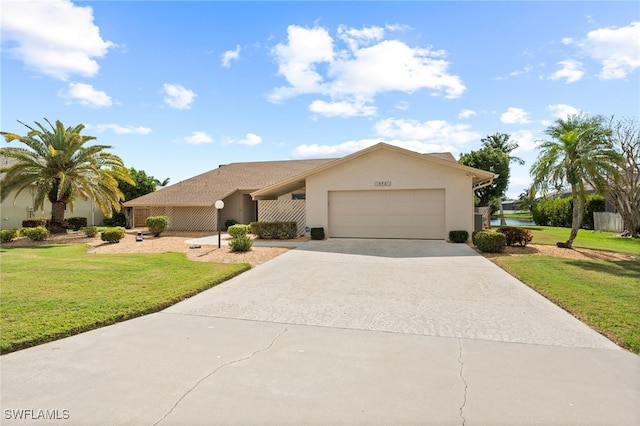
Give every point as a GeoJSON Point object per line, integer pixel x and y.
{"type": "Point", "coordinates": [339, 332]}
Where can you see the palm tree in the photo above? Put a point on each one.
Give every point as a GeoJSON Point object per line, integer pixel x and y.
{"type": "Point", "coordinates": [501, 142]}
{"type": "Point", "coordinates": [60, 167]}
{"type": "Point", "coordinates": [581, 153]}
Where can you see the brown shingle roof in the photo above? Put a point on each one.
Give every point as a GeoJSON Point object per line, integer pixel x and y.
{"type": "Point", "coordinates": [217, 184]}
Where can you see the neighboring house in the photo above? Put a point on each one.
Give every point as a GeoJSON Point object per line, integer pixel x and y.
{"type": "Point", "coordinates": [14, 210]}
{"type": "Point", "coordinates": [379, 192]}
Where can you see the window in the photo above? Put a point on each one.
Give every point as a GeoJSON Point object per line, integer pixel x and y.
{"type": "Point", "coordinates": [298, 196]}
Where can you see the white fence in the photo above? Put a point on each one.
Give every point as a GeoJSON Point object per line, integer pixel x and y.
{"type": "Point", "coordinates": [605, 221]}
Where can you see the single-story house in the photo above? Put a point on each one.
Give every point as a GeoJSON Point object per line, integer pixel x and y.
{"type": "Point", "coordinates": [379, 192]}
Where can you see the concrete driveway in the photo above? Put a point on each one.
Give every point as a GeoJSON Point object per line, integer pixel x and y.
{"type": "Point", "coordinates": [338, 332]}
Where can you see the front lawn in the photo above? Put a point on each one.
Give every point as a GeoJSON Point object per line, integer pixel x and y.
{"type": "Point", "coordinates": [53, 291]}
{"type": "Point", "coordinates": [603, 294]}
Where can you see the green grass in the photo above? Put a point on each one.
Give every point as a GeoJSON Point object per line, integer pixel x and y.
{"type": "Point", "coordinates": [522, 216]}
{"type": "Point", "coordinates": [608, 241]}
{"type": "Point", "coordinates": [53, 291]}
{"type": "Point", "coordinates": [603, 294]}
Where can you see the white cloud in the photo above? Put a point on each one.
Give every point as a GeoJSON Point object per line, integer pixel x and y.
{"type": "Point", "coordinates": [198, 138]}
{"type": "Point", "coordinates": [466, 113]}
{"type": "Point", "coordinates": [363, 66]}
{"type": "Point", "coordinates": [230, 55]}
{"type": "Point", "coordinates": [342, 108]}
{"type": "Point", "coordinates": [349, 147]}
{"type": "Point", "coordinates": [251, 139]}
{"type": "Point", "coordinates": [515, 116]}
{"type": "Point", "coordinates": [617, 49]}
{"type": "Point", "coordinates": [566, 41]}
{"type": "Point", "coordinates": [437, 132]}
{"type": "Point", "coordinates": [54, 37]}
{"type": "Point", "coordinates": [402, 105]}
{"type": "Point", "coordinates": [526, 141]}
{"type": "Point", "coordinates": [177, 96]}
{"type": "Point", "coordinates": [122, 130]}
{"type": "Point", "coordinates": [570, 70]}
{"type": "Point", "coordinates": [562, 110]}
{"type": "Point", "coordinates": [86, 95]}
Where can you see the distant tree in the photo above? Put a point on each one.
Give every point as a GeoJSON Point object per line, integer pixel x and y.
{"type": "Point", "coordinates": [143, 184]}
{"type": "Point", "coordinates": [526, 200]}
{"type": "Point", "coordinates": [580, 153]}
{"type": "Point", "coordinates": [491, 160]}
{"type": "Point", "coordinates": [61, 167]}
{"type": "Point", "coordinates": [163, 182]}
{"type": "Point", "coordinates": [624, 186]}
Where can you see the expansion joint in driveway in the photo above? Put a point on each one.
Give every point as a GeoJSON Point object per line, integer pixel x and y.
{"type": "Point", "coordinates": [220, 367]}
{"type": "Point", "coordinates": [464, 381]}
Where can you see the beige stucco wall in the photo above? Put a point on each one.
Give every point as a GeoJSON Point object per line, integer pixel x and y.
{"type": "Point", "coordinates": [12, 214]}
{"type": "Point", "coordinates": [403, 172]}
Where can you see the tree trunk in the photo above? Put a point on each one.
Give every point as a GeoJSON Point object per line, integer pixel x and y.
{"type": "Point", "coordinates": [502, 221]}
{"type": "Point", "coordinates": [576, 220]}
{"type": "Point", "coordinates": [57, 218]}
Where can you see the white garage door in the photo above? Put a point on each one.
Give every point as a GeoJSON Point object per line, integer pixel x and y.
{"type": "Point", "coordinates": [417, 213]}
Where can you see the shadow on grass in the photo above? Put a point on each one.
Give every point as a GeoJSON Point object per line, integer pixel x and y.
{"type": "Point", "coordinates": [622, 268]}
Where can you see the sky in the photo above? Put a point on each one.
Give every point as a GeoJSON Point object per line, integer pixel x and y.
{"type": "Point", "coordinates": [177, 88]}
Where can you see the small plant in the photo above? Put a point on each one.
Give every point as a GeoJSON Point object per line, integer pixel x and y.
{"type": "Point", "coordinates": [39, 233]}
{"type": "Point", "coordinates": [241, 244]}
{"type": "Point", "coordinates": [113, 235]}
{"type": "Point", "coordinates": [8, 235]}
{"type": "Point", "coordinates": [90, 231]}
{"type": "Point", "coordinates": [516, 236]}
{"type": "Point", "coordinates": [238, 230]}
{"type": "Point", "coordinates": [490, 241]}
{"type": "Point", "coordinates": [274, 230]}
{"type": "Point", "coordinates": [157, 224]}
{"type": "Point", "coordinates": [77, 223]}
{"type": "Point", "coordinates": [459, 236]}
{"type": "Point", "coordinates": [229, 223]}
{"type": "Point", "coordinates": [317, 233]}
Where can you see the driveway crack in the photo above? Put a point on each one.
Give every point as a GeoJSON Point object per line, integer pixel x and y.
{"type": "Point", "coordinates": [220, 367]}
{"type": "Point", "coordinates": [464, 381]}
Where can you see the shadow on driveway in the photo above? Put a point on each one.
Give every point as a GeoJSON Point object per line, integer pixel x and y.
{"type": "Point", "coordinates": [390, 248]}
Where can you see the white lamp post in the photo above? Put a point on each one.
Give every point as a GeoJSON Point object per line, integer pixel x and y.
{"type": "Point", "coordinates": [219, 204]}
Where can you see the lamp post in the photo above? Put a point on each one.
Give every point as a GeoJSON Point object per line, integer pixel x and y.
{"type": "Point", "coordinates": [219, 204]}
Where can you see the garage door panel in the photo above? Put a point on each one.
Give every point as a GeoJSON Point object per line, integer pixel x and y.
{"type": "Point", "coordinates": [387, 214]}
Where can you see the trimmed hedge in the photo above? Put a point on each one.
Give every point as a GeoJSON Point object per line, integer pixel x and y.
{"type": "Point", "coordinates": [157, 224]}
{"type": "Point", "coordinates": [559, 211]}
{"type": "Point", "coordinates": [238, 230]}
{"type": "Point", "coordinates": [39, 233]}
{"type": "Point", "coordinates": [241, 243]}
{"type": "Point", "coordinates": [90, 231]}
{"type": "Point", "coordinates": [274, 230]}
{"type": "Point", "coordinates": [490, 241]}
{"type": "Point", "coordinates": [8, 235]}
{"type": "Point", "coordinates": [34, 222]}
{"type": "Point", "coordinates": [459, 236]}
{"type": "Point", "coordinates": [113, 235]}
{"type": "Point", "coordinates": [317, 233]}
{"type": "Point", "coordinates": [516, 236]}
{"type": "Point", "coordinates": [77, 223]}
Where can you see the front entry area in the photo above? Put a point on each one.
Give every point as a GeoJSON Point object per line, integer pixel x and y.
{"type": "Point", "coordinates": [406, 213]}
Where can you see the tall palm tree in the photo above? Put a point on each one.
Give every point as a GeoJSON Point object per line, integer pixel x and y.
{"type": "Point", "coordinates": [580, 153]}
{"type": "Point", "coordinates": [61, 168]}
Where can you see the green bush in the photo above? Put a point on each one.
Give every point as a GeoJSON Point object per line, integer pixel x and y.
{"type": "Point", "coordinates": [459, 236]}
{"type": "Point", "coordinates": [595, 203]}
{"type": "Point", "coordinates": [241, 243]}
{"type": "Point", "coordinates": [229, 223]}
{"type": "Point", "coordinates": [117, 219]}
{"type": "Point", "coordinates": [560, 212]}
{"type": "Point", "coordinates": [317, 233]}
{"type": "Point", "coordinates": [113, 235]}
{"type": "Point", "coordinates": [8, 235]}
{"type": "Point", "coordinates": [90, 231]}
{"type": "Point", "coordinates": [516, 236]}
{"type": "Point", "coordinates": [157, 224]}
{"type": "Point", "coordinates": [539, 212]}
{"type": "Point", "coordinates": [473, 237]}
{"type": "Point", "coordinates": [34, 222]}
{"type": "Point", "coordinates": [77, 223]}
{"type": "Point", "coordinates": [274, 230]}
{"type": "Point", "coordinates": [39, 233]}
{"type": "Point", "coordinates": [238, 230]}
{"type": "Point", "coordinates": [490, 241]}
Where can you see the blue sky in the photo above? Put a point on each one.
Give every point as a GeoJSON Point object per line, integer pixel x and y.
{"type": "Point", "coordinates": [177, 88]}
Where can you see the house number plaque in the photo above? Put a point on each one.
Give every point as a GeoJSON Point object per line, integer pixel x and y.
{"type": "Point", "coordinates": [382, 183]}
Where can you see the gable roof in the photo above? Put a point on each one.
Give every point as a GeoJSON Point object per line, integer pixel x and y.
{"type": "Point", "coordinates": [480, 177]}
{"type": "Point", "coordinates": [203, 190]}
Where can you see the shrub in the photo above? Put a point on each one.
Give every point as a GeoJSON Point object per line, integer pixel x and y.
{"type": "Point", "coordinates": [490, 241]}
{"type": "Point", "coordinates": [241, 243]}
{"type": "Point", "coordinates": [8, 235]}
{"type": "Point", "coordinates": [238, 230]}
{"type": "Point", "coordinates": [77, 223]}
{"type": "Point", "coordinates": [39, 233]}
{"type": "Point", "coordinates": [34, 222]}
{"type": "Point", "coordinates": [473, 237]}
{"type": "Point", "coordinates": [317, 233]}
{"type": "Point", "coordinates": [113, 235]}
{"type": "Point", "coordinates": [90, 231]}
{"type": "Point", "coordinates": [560, 212]}
{"type": "Point", "coordinates": [595, 203]}
{"type": "Point", "coordinates": [274, 230]}
{"type": "Point", "coordinates": [117, 219]}
{"type": "Point", "coordinates": [229, 223]}
{"type": "Point", "coordinates": [539, 212]}
{"type": "Point", "coordinates": [459, 236]}
{"type": "Point", "coordinates": [157, 224]}
{"type": "Point", "coordinates": [516, 236]}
